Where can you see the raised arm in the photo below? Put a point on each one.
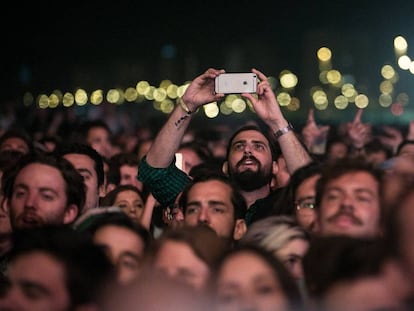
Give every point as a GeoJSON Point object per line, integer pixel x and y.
{"type": "Point", "coordinates": [313, 134]}
{"type": "Point", "coordinates": [268, 109]}
{"type": "Point", "coordinates": [166, 143]}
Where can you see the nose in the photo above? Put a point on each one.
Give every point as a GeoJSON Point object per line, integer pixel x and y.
{"type": "Point", "coordinates": [246, 303]}
{"type": "Point", "coordinates": [30, 201]}
{"type": "Point", "coordinates": [347, 203]}
{"type": "Point", "coordinates": [203, 217]}
{"type": "Point", "coordinates": [247, 149]}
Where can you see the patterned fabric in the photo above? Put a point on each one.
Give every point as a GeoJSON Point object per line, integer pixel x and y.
{"type": "Point", "coordinates": [165, 184]}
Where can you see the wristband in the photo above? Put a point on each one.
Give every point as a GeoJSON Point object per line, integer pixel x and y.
{"type": "Point", "coordinates": [184, 106]}
{"type": "Point", "coordinates": [284, 130]}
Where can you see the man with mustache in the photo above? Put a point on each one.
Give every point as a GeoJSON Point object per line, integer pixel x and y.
{"type": "Point", "coordinates": [251, 158]}
{"type": "Point", "coordinates": [348, 199]}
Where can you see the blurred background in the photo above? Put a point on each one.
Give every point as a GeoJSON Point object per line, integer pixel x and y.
{"type": "Point", "coordinates": [134, 58]}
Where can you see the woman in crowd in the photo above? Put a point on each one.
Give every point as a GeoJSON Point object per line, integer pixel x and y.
{"type": "Point", "coordinates": [128, 198]}
{"type": "Point", "coordinates": [251, 278]}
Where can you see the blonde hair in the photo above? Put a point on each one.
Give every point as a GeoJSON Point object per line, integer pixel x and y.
{"type": "Point", "coordinates": [274, 232]}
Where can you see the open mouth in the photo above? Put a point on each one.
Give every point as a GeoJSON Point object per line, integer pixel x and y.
{"type": "Point", "coordinates": [344, 221]}
{"type": "Point", "coordinates": [30, 220]}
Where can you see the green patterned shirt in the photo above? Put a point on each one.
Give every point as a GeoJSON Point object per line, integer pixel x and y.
{"type": "Point", "coordinates": [165, 184]}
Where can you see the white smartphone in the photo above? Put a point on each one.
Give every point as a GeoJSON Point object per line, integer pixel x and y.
{"type": "Point", "coordinates": [236, 83]}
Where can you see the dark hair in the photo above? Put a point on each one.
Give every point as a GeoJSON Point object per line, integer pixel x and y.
{"type": "Point", "coordinates": [287, 283]}
{"type": "Point", "coordinates": [85, 149]}
{"type": "Point", "coordinates": [80, 133]}
{"type": "Point", "coordinates": [115, 163]}
{"type": "Point", "coordinates": [344, 166]}
{"type": "Point", "coordinates": [120, 219]}
{"type": "Point", "coordinates": [87, 268]}
{"type": "Point", "coordinates": [74, 185]}
{"type": "Point", "coordinates": [17, 133]}
{"type": "Point", "coordinates": [202, 239]}
{"type": "Point", "coordinates": [237, 200]}
{"type": "Point", "coordinates": [9, 158]}
{"type": "Point", "coordinates": [333, 139]}
{"type": "Point", "coordinates": [332, 259]}
{"type": "Point", "coordinates": [376, 145]}
{"type": "Point", "coordinates": [395, 219]}
{"type": "Point", "coordinates": [124, 158]}
{"type": "Point", "coordinates": [110, 197]}
{"type": "Point", "coordinates": [403, 144]}
{"type": "Point", "coordinates": [201, 150]}
{"type": "Point", "coordinates": [274, 147]}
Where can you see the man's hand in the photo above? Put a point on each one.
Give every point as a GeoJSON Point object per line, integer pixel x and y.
{"type": "Point", "coordinates": [201, 90]}
{"type": "Point", "coordinates": [312, 133]}
{"type": "Point", "coordinates": [265, 103]}
{"type": "Point", "coordinates": [359, 133]}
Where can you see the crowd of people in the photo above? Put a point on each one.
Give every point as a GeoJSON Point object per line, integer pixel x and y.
{"type": "Point", "coordinates": [262, 217]}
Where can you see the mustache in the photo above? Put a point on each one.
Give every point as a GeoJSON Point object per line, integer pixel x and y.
{"type": "Point", "coordinates": [355, 220]}
{"type": "Point", "coordinates": [248, 157]}
{"type": "Point", "coordinates": [30, 217]}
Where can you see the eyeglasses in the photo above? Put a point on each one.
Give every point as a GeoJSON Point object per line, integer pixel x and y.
{"type": "Point", "coordinates": [307, 202]}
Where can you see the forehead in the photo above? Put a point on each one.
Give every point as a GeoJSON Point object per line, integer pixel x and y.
{"type": "Point", "coordinates": [98, 131]}
{"type": "Point", "coordinates": [118, 238]}
{"type": "Point", "coordinates": [79, 160]}
{"type": "Point", "coordinates": [250, 135]}
{"type": "Point", "coordinates": [358, 178]}
{"type": "Point", "coordinates": [49, 274]}
{"type": "Point", "coordinates": [41, 173]}
{"type": "Point", "coordinates": [127, 194]}
{"type": "Point", "coordinates": [14, 140]}
{"type": "Point", "coordinates": [211, 188]}
{"type": "Point", "coordinates": [126, 168]}
{"type": "Point", "coordinates": [250, 263]}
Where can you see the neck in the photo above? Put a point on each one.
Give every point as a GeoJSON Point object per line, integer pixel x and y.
{"type": "Point", "coordinates": [253, 196]}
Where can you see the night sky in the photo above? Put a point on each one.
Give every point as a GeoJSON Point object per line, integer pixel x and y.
{"type": "Point", "coordinates": [65, 44]}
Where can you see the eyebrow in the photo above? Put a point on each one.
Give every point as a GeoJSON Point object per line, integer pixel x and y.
{"type": "Point", "coordinates": [308, 197]}
{"type": "Point", "coordinates": [245, 141]}
{"type": "Point", "coordinates": [209, 202]}
{"type": "Point", "coordinates": [84, 170]}
{"type": "Point", "coordinates": [41, 189]}
{"type": "Point", "coordinates": [28, 284]}
{"type": "Point", "coordinates": [131, 255]}
{"type": "Point", "coordinates": [358, 190]}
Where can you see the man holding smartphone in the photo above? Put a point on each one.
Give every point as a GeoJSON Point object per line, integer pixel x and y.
{"type": "Point", "coordinates": [250, 150]}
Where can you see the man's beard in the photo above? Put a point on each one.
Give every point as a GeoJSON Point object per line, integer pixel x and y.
{"type": "Point", "coordinates": [249, 180]}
